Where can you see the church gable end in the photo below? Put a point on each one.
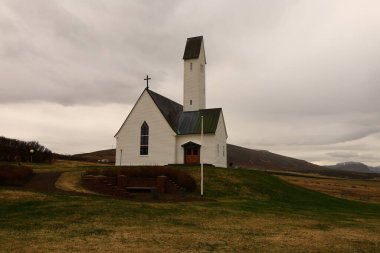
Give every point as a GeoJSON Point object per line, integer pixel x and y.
{"type": "Point", "coordinates": [222, 126]}
{"type": "Point", "coordinates": [145, 137]}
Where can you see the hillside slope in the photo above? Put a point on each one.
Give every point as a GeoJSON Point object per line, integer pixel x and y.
{"type": "Point", "coordinates": [262, 159]}
{"type": "Point", "coordinates": [107, 154]}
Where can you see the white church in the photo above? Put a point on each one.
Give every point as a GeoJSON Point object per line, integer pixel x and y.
{"type": "Point", "coordinates": [159, 131]}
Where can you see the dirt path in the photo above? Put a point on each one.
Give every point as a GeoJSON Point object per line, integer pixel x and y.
{"type": "Point", "coordinates": [70, 181]}
{"type": "Point", "coordinates": [43, 182]}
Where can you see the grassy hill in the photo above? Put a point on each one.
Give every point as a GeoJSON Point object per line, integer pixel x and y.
{"type": "Point", "coordinates": [262, 159]}
{"type": "Point", "coordinates": [245, 210]}
{"type": "Point", "coordinates": [108, 154]}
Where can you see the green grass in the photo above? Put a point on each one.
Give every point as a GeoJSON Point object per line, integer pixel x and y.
{"type": "Point", "coordinates": [258, 191]}
{"type": "Point", "coordinates": [246, 210]}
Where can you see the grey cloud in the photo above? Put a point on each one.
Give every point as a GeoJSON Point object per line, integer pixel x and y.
{"type": "Point", "coordinates": [75, 60]}
{"type": "Point", "coordinates": [344, 155]}
{"type": "Point", "coordinates": [291, 76]}
{"type": "Point", "coordinates": [127, 38]}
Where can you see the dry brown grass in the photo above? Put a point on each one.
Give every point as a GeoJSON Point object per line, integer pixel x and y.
{"type": "Point", "coordinates": [62, 165]}
{"type": "Point", "coordinates": [237, 234]}
{"type": "Point", "coordinates": [71, 181]}
{"type": "Point", "coordinates": [353, 189]}
{"type": "Point", "coordinates": [16, 195]}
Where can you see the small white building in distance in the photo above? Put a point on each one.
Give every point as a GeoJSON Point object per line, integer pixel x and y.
{"type": "Point", "coordinates": [159, 131]}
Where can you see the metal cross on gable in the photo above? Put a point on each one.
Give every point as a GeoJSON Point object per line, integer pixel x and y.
{"type": "Point", "coordinates": [147, 81]}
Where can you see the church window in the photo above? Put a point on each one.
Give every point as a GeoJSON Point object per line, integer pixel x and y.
{"type": "Point", "coordinates": [224, 151]}
{"type": "Point", "coordinates": [144, 139]}
{"type": "Point", "coordinates": [121, 156]}
{"type": "Point", "coordinates": [191, 66]}
{"type": "Point", "coordinates": [191, 102]}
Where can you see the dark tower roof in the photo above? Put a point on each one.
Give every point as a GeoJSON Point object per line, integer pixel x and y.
{"type": "Point", "coordinates": [193, 47]}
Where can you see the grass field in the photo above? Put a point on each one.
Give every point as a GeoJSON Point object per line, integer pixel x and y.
{"type": "Point", "coordinates": [354, 189]}
{"type": "Point", "coordinates": [245, 211]}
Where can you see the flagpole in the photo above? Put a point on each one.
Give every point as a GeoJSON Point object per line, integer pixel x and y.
{"type": "Point", "coordinates": [201, 157]}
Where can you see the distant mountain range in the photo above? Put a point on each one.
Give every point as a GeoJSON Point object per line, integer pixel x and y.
{"type": "Point", "coordinates": [354, 166]}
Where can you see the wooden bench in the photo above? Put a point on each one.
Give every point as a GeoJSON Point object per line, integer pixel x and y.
{"type": "Point", "coordinates": [153, 190]}
{"type": "Point", "coordinates": [141, 188]}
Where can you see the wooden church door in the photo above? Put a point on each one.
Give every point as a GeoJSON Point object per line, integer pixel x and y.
{"type": "Point", "coordinates": [192, 155]}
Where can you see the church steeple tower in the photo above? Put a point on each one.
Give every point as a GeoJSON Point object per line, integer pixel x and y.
{"type": "Point", "coordinates": [194, 86]}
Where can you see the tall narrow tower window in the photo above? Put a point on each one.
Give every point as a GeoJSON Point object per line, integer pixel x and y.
{"type": "Point", "coordinates": [144, 139]}
{"type": "Point", "coordinates": [191, 102]}
{"type": "Point", "coordinates": [191, 66]}
{"type": "Point", "coordinates": [121, 156]}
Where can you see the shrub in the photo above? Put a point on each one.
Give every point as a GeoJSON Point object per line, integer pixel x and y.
{"type": "Point", "coordinates": [12, 150]}
{"type": "Point", "coordinates": [14, 175]}
{"type": "Point", "coordinates": [180, 177]}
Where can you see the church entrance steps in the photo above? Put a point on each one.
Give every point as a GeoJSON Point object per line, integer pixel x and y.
{"type": "Point", "coordinates": [123, 186]}
{"type": "Point", "coordinates": [190, 165]}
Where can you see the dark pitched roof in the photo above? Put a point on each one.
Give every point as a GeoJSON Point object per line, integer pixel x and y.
{"type": "Point", "coordinates": [186, 122]}
{"type": "Point", "coordinates": [190, 122]}
{"type": "Point", "coordinates": [193, 47]}
{"type": "Point", "coordinates": [169, 109]}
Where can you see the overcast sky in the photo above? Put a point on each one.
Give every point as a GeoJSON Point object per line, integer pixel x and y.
{"type": "Point", "coordinates": [298, 78]}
